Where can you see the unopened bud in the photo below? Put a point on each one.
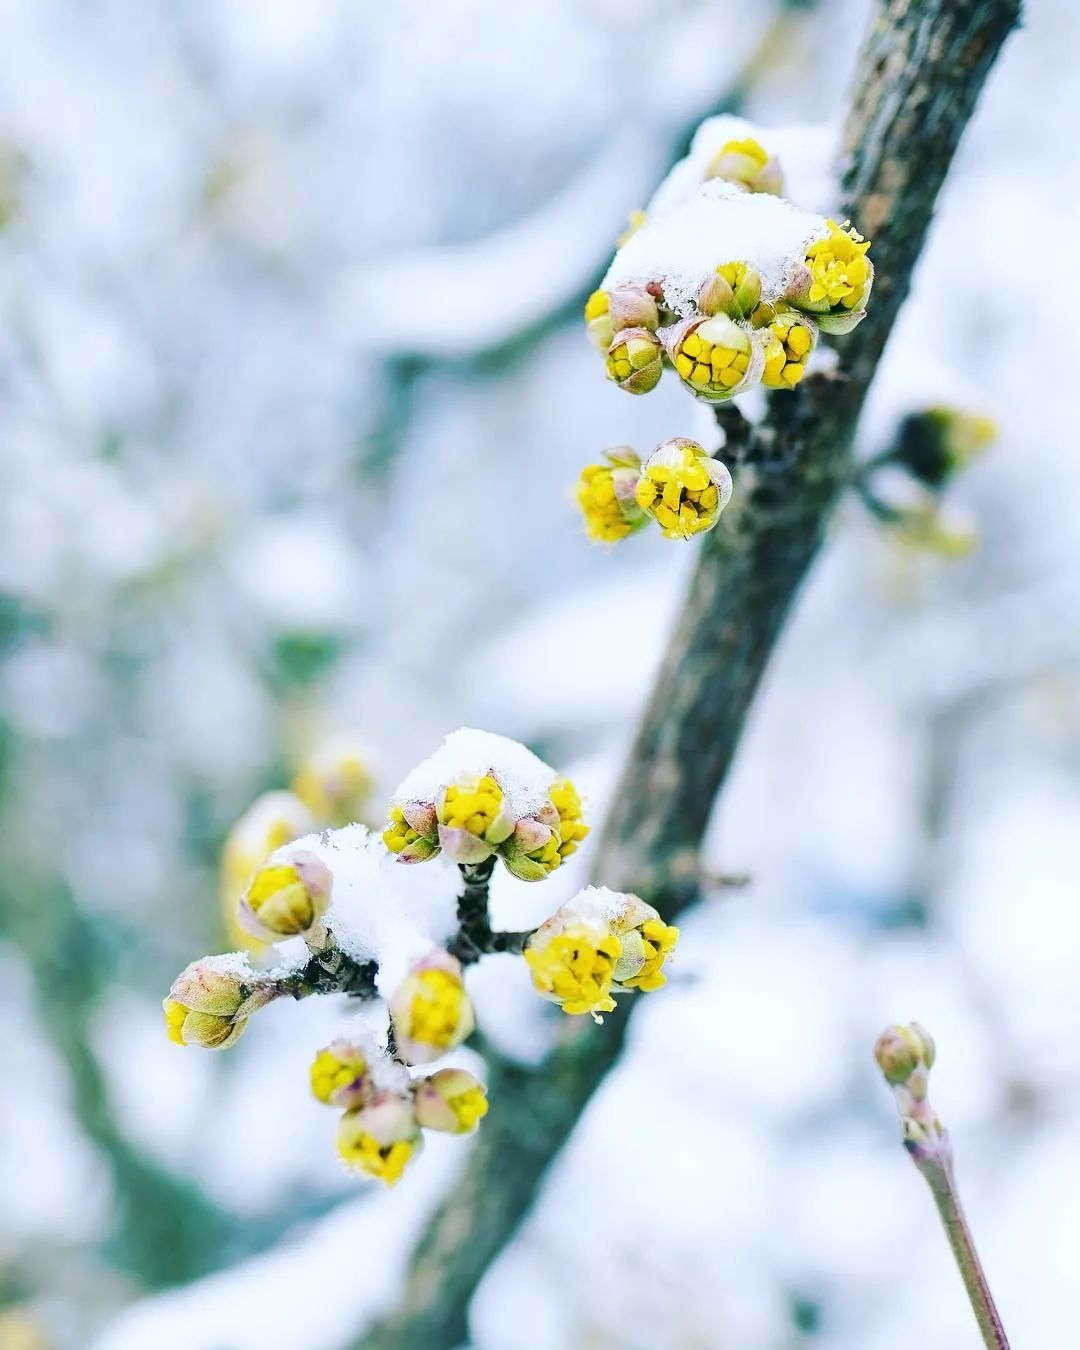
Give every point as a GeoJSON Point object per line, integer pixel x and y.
{"type": "Point", "coordinates": [431, 1011]}
{"type": "Point", "coordinates": [635, 360]}
{"type": "Point", "coordinates": [789, 340]}
{"type": "Point", "coordinates": [335, 781]}
{"type": "Point", "coordinates": [451, 1101]}
{"type": "Point", "coordinates": [474, 818]}
{"type": "Point", "coordinates": [937, 443]}
{"type": "Point", "coordinates": [381, 1138]}
{"type": "Point", "coordinates": [341, 1075]}
{"type": "Point", "coordinates": [210, 1001]}
{"type": "Point", "coordinates": [605, 494]}
{"type": "Point", "coordinates": [904, 1054]}
{"type": "Point", "coordinates": [749, 164]}
{"type": "Point", "coordinates": [412, 831]}
{"type": "Point", "coordinates": [715, 358]}
{"type": "Point", "coordinates": [288, 898]}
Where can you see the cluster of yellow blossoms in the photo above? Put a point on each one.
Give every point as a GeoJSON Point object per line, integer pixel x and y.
{"type": "Point", "coordinates": [679, 486]}
{"type": "Point", "coordinates": [384, 1109]}
{"type": "Point", "coordinates": [471, 820]}
{"type": "Point", "coordinates": [520, 811]}
{"type": "Point", "coordinates": [734, 338]}
{"type": "Point", "coordinates": [601, 943]}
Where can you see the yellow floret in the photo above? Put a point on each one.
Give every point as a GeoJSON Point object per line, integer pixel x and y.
{"type": "Point", "coordinates": [385, 1161]}
{"type": "Point", "coordinates": [333, 1070]}
{"type": "Point", "coordinates": [575, 968]}
{"type": "Point", "coordinates": [682, 498]}
{"type": "Point", "coordinates": [839, 269]}
{"type": "Point", "coordinates": [658, 940]}
{"type": "Point", "coordinates": [471, 805]}
{"type": "Point", "coordinates": [789, 344]}
{"type": "Point", "coordinates": [436, 1008]}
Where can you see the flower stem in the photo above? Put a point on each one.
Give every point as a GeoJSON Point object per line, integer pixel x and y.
{"type": "Point", "coordinates": [937, 1168]}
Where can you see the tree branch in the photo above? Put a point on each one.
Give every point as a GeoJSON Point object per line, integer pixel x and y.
{"type": "Point", "coordinates": [919, 76]}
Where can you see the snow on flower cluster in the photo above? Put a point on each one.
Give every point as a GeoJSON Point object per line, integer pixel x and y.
{"type": "Point", "coordinates": [332, 911]}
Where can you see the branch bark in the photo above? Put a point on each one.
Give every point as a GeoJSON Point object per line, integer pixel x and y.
{"type": "Point", "coordinates": [919, 76]}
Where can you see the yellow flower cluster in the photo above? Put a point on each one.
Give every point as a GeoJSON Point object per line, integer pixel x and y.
{"type": "Point", "coordinates": [834, 280]}
{"type": "Point", "coordinates": [605, 494]}
{"type": "Point", "coordinates": [597, 945]}
{"type": "Point", "coordinates": [683, 489]}
{"type": "Point", "coordinates": [472, 820]}
{"type": "Point", "coordinates": [431, 1011]}
{"type": "Point", "coordinates": [575, 969]}
{"type": "Point", "coordinates": [713, 357]}
{"type": "Point", "coordinates": [789, 342]}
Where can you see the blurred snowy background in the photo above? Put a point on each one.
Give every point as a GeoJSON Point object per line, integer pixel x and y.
{"type": "Point", "coordinates": [293, 392]}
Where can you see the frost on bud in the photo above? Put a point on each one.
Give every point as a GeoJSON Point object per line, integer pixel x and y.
{"type": "Point", "coordinates": [286, 899]}
{"type": "Point", "coordinates": [635, 360]}
{"type": "Point", "coordinates": [474, 818]}
{"type": "Point", "coordinates": [412, 831]}
{"type": "Point", "coordinates": [451, 1101]}
{"type": "Point", "coordinates": [381, 1138]}
{"type": "Point", "coordinates": [749, 164]}
{"type": "Point", "coordinates": [937, 443]}
{"type": "Point", "coordinates": [833, 282]}
{"type": "Point", "coordinates": [789, 340]}
{"type": "Point", "coordinates": [733, 289]}
{"type": "Point", "coordinates": [607, 312]}
{"type": "Point", "coordinates": [605, 494]}
{"type": "Point", "coordinates": [683, 488]}
{"type": "Point", "coordinates": [210, 1001]}
{"type": "Point", "coordinates": [335, 782]}
{"type": "Point", "coordinates": [905, 1056]}
{"type": "Point", "coordinates": [716, 358]}
{"type": "Point", "coordinates": [341, 1075]}
{"type": "Point", "coordinates": [431, 1011]}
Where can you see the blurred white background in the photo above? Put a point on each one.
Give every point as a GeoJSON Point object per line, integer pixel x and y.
{"type": "Point", "coordinates": [293, 393]}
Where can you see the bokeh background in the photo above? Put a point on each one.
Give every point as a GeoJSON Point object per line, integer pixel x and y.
{"type": "Point", "coordinates": [293, 392]}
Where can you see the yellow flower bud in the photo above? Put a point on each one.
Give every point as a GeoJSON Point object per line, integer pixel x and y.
{"type": "Point", "coordinates": [341, 1075]}
{"type": "Point", "coordinates": [605, 494]}
{"type": "Point", "coordinates": [905, 1056]}
{"type": "Point", "coordinates": [608, 312]}
{"type": "Point", "coordinates": [273, 820]}
{"type": "Point", "coordinates": [635, 360]}
{"type": "Point", "coordinates": [647, 943]}
{"type": "Point", "coordinates": [789, 342]}
{"type": "Point", "coordinates": [381, 1139]}
{"type": "Point", "coordinates": [210, 1001]}
{"type": "Point", "coordinates": [431, 1011]}
{"type": "Point", "coordinates": [716, 358]}
{"type": "Point", "coordinates": [937, 443]}
{"type": "Point", "coordinates": [747, 163]}
{"type": "Point", "coordinates": [834, 280]}
{"type": "Point", "coordinates": [474, 818]}
{"type": "Point", "coordinates": [734, 289]}
{"type": "Point", "coordinates": [574, 966]}
{"type": "Point", "coordinates": [683, 488]}
{"type": "Point", "coordinates": [287, 898]}
{"type": "Point", "coordinates": [451, 1101]}
{"type": "Point", "coordinates": [335, 782]}
{"type": "Point", "coordinates": [542, 841]}
{"type": "Point", "coordinates": [411, 832]}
